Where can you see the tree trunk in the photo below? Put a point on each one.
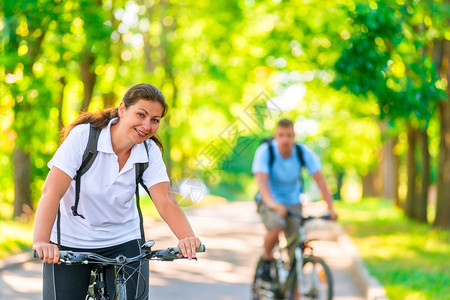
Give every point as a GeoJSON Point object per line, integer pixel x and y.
{"type": "Point", "coordinates": [62, 80]}
{"type": "Point", "coordinates": [109, 100]}
{"type": "Point", "coordinates": [443, 188]}
{"type": "Point", "coordinates": [22, 193]}
{"type": "Point", "coordinates": [389, 170]}
{"type": "Point", "coordinates": [368, 183]}
{"type": "Point", "coordinates": [422, 203]}
{"type": "Point", "coordinates": [339, 182]}
{"type": "Point", "coordinates": [21, 157]}
{"type": "Point", "coordinates": [395, 169]}
{"type": "Point", "coordinates": [411, 172]}
{"type": "Point", "coordinates": [88, 77]}
{"type": "Point", "coordinates": [441, 57]}
{"type": "Point", "coordinates": [166, 60]}
{"type": "Point", "coordinates": [388, 165]}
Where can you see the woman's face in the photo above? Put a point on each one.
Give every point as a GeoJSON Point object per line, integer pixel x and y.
{"type": "Point", "coordinates": [141, 120]}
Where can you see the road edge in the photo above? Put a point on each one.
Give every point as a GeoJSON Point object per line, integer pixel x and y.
{"type": "Point", "coordinates": [15, 260]}
{"type": "Point", "coordinates": [367, 284]}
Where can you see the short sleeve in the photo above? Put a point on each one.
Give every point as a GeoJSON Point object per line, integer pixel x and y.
{"type": "Point", "coordinates": [69, 155]}
{"type": "Point", "coordinates": [312, 161]}
{"type": "Point", "coordinates": [156, 171]}
{"type": "Point", "coordinates": [261, 160]}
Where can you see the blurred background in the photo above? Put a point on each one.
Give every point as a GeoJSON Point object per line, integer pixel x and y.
{"type": "Point", "coordinates": [366, 83]}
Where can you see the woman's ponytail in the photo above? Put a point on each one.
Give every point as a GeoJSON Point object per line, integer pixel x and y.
{"type": "Point", "coordinates": [98, 120]}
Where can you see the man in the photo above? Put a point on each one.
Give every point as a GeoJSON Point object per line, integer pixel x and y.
{"type": "Point", "coordinates": [279, 186]}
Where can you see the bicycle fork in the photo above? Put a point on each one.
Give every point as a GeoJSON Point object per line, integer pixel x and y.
{"type": "Point", "coordinates": [299, 268]}
{"type": "Point", "coordinates": [120, 284]}
{"type": "Point", "coordinates": [97, 285]}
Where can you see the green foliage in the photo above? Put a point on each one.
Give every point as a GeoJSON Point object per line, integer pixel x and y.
{"type": "Point", "coordinates": [411, 260]}
{"type": "Point", "coordinates": [386, 56]}
{"type": "Point", "coordinates": [212, 60]}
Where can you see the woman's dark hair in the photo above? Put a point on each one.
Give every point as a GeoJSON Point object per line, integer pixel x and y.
{"type": "Point", "coordinates": [101, 119]}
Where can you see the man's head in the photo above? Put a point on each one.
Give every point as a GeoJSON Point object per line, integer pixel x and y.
{"type": "Point", "coordinates": [285, 135]}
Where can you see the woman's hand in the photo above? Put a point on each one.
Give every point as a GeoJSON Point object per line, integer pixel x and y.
{"type": "Point", "coordinates": [48, 253]}
{"type": "Point", "coordinates": [189, 246]}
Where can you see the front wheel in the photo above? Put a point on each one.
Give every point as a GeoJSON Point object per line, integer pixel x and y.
{"type": "Point", "coordinates": [316, 281]}
{"type": "Point", "coordinates": [262, 290]}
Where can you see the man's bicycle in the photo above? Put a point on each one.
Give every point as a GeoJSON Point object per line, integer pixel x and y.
{"type": "Point", "coordinates": [305, 277]}
{"type": "Point", "coordinates": [97, 287]}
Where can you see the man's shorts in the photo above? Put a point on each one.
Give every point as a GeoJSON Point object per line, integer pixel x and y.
{"type": "Point", "coordinates": [272, 220]}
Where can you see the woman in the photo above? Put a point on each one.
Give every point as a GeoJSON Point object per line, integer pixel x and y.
{"type": "Point", "coordinates": [107, 222]}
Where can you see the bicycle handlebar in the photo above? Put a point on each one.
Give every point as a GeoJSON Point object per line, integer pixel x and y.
{"type": "Point", "coordinates": [304, 219]}
{"type": "Point", "coordinates": [169, 254]}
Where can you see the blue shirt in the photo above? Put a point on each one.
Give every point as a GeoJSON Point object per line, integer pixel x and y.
{"type": "Point", "coordinates": [284, 174]}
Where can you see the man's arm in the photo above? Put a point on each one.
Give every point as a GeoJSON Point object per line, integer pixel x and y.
{"type": "Point", "coordinates": [322, 184]}
{"type": "Point", "coordinates": [262, 180]}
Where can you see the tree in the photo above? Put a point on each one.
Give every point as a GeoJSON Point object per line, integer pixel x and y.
{"type": "Point", "coordinates": [26, 25]}
{"type": "Point", "coordinates": [386, 58]}
{"type": "Point", "coordinates": [442, 58]}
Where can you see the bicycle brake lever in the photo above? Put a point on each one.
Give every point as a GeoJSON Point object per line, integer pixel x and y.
{"type": "Point", "coordinates": [147, 246]}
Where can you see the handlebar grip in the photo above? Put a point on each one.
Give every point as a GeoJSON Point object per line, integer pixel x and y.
{"type": "Point", "coordinates": [201, 248]}
{"type": "Point", "coordinates": [62, 253]}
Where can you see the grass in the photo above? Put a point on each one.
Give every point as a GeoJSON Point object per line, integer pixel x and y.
{"type": "Point", "coordinates": [411, 260]}
{"type": "Point", "coordinates": [15, 237]}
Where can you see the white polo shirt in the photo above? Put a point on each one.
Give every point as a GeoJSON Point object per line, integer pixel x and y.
{"type": "Point", "coordinates": [106, 195]}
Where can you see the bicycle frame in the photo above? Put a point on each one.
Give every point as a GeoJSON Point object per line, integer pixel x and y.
{"type": "Point", "coordinates": [296, 265]}
{"type": "Point", "coordinates": [121, 286]}
{"type": "Point", "coordinates": [296, 282]}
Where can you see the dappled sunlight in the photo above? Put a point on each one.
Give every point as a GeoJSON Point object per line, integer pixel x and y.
{"type": "Point", "coordinates": [351, 192]}
{"type": "Point", "coordinates": [231, 250]}
{"type": "Point", "coordinates": [364, 82]}
{"type": "Point", "coordinates": [410, 259]}
{"type": "Point", "coordinates": [22, 284]}
{"type": "Point", "coordinates": [201, 271]}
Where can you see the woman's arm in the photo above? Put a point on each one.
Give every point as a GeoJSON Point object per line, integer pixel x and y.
{"type": "Point", "coordinates": [171, 213]}
{"type": "Point", "coordinates": [55, 187]}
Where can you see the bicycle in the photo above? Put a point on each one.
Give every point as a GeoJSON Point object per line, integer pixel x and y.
{"type": "Point", "coordinates": [97, 287]}
{"type": "Point", "coordinates": [307, 276]}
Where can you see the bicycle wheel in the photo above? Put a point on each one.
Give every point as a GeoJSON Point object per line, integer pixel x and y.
{"type": "Point", "coordinates": [316, 282]}
{"type": "Point", "coordinates": [262, 290]}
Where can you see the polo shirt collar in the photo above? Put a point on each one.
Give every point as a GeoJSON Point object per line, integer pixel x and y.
{"type": "Point", "coordinates": [138, 153]}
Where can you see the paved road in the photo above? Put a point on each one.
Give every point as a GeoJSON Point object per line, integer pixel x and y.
{"type": "Point", "coordinates": [233, 236]}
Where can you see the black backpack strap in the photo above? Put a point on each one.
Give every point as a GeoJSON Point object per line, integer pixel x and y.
{"type": "Point", "coordinates": [140, 169]}
{"type": "Point", "coordinates": [300, 155]}
{"type": "Point", "coordinates": [302, 162]}
{"type": "Point", "coordinates": [271, 153]}
{"type": "Point", "coordinates": [90, 153]}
